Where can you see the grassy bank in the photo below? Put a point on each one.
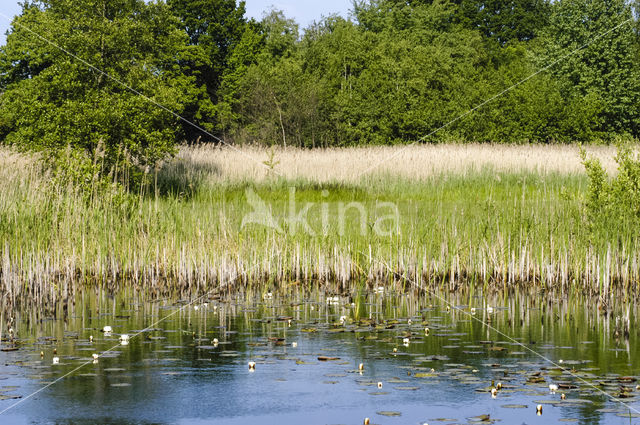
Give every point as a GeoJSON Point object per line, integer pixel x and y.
{"type": "Point", "coordinates": [442, 215]}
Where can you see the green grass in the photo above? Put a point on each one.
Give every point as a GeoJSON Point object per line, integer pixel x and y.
{"type": "Point", "coordinates": [496, 230]}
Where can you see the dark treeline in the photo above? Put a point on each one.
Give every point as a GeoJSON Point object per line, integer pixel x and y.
{"type": "Point", "coordinates": [393, 72]}
{"type": "Point", "coordinates": [398, 70]}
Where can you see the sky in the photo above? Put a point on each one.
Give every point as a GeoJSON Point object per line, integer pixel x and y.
{"type": "Point", "coordinates": [303, 11]}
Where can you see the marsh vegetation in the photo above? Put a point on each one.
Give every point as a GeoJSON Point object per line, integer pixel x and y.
{"type": "Point", "coordinates": [198, 206]}
{"type": "Point", "coordinates": [459, 216]}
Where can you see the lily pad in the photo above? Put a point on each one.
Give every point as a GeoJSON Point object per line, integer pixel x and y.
{"type": "Point", "coordinates": [389, 413]}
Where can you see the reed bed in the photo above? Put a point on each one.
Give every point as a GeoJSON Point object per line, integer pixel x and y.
{"type": "Point", "coordinates": [415, 162]}
{"type": "Point", "coordinates": [497, 225]}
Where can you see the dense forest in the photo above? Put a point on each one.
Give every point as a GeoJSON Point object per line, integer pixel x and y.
{"type": "Point", "coordinates": [129, 79]}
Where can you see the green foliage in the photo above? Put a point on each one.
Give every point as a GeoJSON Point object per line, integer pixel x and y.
{"type": "Point", "coordinates": [502, 21]}
{"type": "Point", "coordinates": [506, 21]}
{"type": "Point", "coordinates": [215, 30]}
{"type": "Point", "coordinates": [272, 162]}
{"type": "Point", "coordinates": [269, 92]}
{"type": "Point", "coordinates": [613, 204]}
{"type": "Point", "coordinates": [607, 71]}
{"type": "Point", "coordinates": [231, 87]}
{"type": "Point", "coordinates": [57, 103]}
{"type": "Point", "coordinates": [406, 69]}
{"type": "Point", "coordinates": [533, 111]}
{"type": "Point", "coordinates": [457, 70]}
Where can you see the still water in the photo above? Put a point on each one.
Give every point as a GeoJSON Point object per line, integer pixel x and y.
{"type": "Point", "coordinates": [307, 348]}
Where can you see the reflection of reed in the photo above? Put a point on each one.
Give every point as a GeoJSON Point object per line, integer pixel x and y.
{"type": "Point", "coordinates": [458, 353]}
{"type": "Point", "coordinates": [565, 328]}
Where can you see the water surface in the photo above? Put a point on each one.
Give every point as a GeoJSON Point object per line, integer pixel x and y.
{"type": "Point", "coordinates": [174, 373]}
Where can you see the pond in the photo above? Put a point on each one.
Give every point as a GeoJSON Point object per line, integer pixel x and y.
{"type": "Point", "coordinates": [188, 362]}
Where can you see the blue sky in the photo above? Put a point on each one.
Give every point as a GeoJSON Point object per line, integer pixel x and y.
{"type": "Point", "coordinates": [304, 11]}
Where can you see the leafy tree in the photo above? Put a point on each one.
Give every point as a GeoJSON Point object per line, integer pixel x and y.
{"type": "Point", "coordinates": [402, 69]}
{"type": "Point", "coordinates": [409, 76]}
{"type": "Point", "coordinates": [535, 111]}
{"type": "Point", "coordinates": [607, 70]}
{"type": "Point", "coordinates": [506, 20]}
{"type": "Point", "coordinates": [214, 28]}
{"type": "Point", "coordinates": [231, 91]}
{"type": "Point", "coordinates": [503, 21]}
{"type": "Point", "coordinates": [406, 68]}
{"type": "Point", "coordinates": [613, 204]}
{"type": "Point", "coordinates": [281, 35]}
{"type": "Point", "coordinates": [267, 87]}
{"type": "Point", "coordinates": [55, 102]}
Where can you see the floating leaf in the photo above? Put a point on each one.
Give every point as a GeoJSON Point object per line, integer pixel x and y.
{"type": "Point", "coordinates": [326, 358]}
{"type": "Point", "coordinates": [389, 413]}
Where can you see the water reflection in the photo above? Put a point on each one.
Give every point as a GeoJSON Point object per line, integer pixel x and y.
{"type": "Point", "coordinates": [191, 366]}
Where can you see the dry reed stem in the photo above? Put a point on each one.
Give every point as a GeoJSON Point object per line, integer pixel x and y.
{"type": "Point", "coordinates": [154, 260]}
{"type": "Point", "coordinates": [418, 162]}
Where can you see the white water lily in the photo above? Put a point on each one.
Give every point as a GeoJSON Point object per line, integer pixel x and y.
{"type": "Point", "coordinates": [333, 300]}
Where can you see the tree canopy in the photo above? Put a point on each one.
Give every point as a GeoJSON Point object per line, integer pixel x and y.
{"type": "Point", "coordinates": [52, 99]}
{"type": "Point", "coordinates": [402, 69]}
{"type": "Point", "coordinates": [214, 28]}
{"type": "Point", "coordinates": [392, 73]}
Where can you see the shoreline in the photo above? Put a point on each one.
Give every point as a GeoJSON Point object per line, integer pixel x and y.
{"type": "Point", "coordinates": [500, 228]}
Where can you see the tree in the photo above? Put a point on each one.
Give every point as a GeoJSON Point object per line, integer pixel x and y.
{"type": "Point", "coordinates": [55, 102]}
{"type": "Point", "coordinates": [231, 90]}
{"type": "Point", "coordinates": [214, 29]}
{"type": "Point", "coordinates": [265, 88]}
{"type": "Point", "coordinates": [607, 70]}
{"type": "Point", "coordinates": [281, 35]}
{"type": "Point", "coordinates": [506, 21]}
{"type": "Point", "coordinates": [503, 21]}
{"type": "Point", "coordinates": [418, 73]}
{"type": "Point", "coordinates": [535, 111]}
